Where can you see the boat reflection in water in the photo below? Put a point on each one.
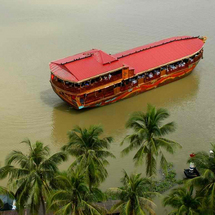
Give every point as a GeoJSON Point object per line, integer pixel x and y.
{"type": "Point", "coordinates": [113, 117]}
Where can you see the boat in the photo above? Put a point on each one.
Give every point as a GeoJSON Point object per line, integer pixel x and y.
{"type": "Point", "coordinates": [94, 78]}
{"type": "Point", "coordinates": [191, 173]}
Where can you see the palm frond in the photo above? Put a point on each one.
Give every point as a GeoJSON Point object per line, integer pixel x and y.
{"type": "Point", "coordinates": [147, 136]}
{"type": "Point", "coordinates": [167, 128]}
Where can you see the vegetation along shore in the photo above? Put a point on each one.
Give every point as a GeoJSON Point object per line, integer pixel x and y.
{"type": "Point", "coordinates": [40, 187]}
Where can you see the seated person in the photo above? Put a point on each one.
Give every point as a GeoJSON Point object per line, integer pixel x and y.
{"type": "Point", "coordinates": [151, 75]}
{"type": "Point", "coordinates": [157, 72]}
{"type": "Point", "coordinates": [134, 81]}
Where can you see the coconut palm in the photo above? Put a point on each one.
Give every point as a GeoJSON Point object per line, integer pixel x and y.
{"type": "Point", "coordinates": [205, 183]}
{"type": "Point", "coordinates": [147, 137]}
{"type": "Point", "coordinates": [73, 196]}
{"type": "Point", "coordinates": [134, 199]}
{"type": "Point", "coordinates": [184, 201]}
{"type": "Point", "coordinates": [90, 151]}
{"type": "Point", "coordinates": [29, 174]}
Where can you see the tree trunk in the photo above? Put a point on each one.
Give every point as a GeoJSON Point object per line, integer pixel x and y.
{"type": "Point", "coordinates": [43, 205]}
{"type": "Point", "coordinates": [149, 167]}
{"type": "Point", "coordinates": [90, 181]}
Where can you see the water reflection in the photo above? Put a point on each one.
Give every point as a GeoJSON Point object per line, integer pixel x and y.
{"type": "Point", "coordinates": [114, 116]}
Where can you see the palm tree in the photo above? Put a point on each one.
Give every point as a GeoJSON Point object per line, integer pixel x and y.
{"type": "Point", "coordinates": [147, 137]}
{"type": "Point", "coordinates": [29, 174]}
{"type": "Point", "coordinates": [134, 199]}
{"type": "Point", "coordinates": [72, 196]}
{"type": "Point", "coordinates": [205, 183]}
{"type": "Point", "coordinates": [184, 202]}
{"type": "Point", "coordinates": [91, 152]}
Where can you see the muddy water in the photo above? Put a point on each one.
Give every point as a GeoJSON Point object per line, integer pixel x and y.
{"type": "Point", "coordinates": [33, 33]}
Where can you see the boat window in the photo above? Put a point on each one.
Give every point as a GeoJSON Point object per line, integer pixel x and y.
{"type": "Point", "coordinates": [117, 85]}
{"type": "Point", "coordinates": [98, 79]}
{"type": "Point", "coordinates": [60, 81]}
{"type": "Point", "coordinates": [76, 85]}
{"type": "Point", "coordinates": [163, 68]}
{"type": "Point", "coordinates": [117, 72]}
{"type": "Point", "coordinates": [172, 66]}
{"type": "Point", "coordinates": [185, 60]}
{"type": "Point", "coordinates": [191, 59]}
{"type": "Point", "coordinates": [82, 100]}
{"type": "Point", "coordinates": [87, 83]}
{"type": "Point", "coordinates": [181, 64]}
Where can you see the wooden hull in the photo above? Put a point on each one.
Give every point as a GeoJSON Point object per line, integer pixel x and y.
{"type": "Point", "coordinates": [168, 78]}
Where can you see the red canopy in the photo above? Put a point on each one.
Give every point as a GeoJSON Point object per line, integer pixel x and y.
{"type": "Point", "coordinates": [85, 65]}
{"type": "Point", "coordinates": [95, 62]}
{"type": "Point", "coordinates": [160, 53]}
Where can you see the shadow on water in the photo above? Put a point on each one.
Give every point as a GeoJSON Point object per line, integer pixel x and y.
{"type": "Point", "coordinates": [114, 116]}
{"type": "Point", "coordinates": [49, 98]}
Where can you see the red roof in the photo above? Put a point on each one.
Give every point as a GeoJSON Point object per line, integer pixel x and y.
{"type": "Point", "coordinates": [160, 53]}
{"type": "Point", "coordinates": [85, 65]}
{"type": "Point", "coordinates": [96, 62]}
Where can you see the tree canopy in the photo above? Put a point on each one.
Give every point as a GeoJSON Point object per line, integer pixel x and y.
{"type": "Point", "coordinates": [148, 138]}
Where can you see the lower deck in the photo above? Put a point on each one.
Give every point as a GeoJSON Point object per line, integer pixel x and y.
{"type": "Point", "coordinates": [124, 88]}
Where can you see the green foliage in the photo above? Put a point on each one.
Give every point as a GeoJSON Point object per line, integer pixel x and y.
{"type": "Point", "coordinates": [183, 201]}
{"type": "Point", "coordinates": [29, 174]}
{"type": "Point", "coordinates": [134, 199]}
{"type": "Point", "coordinates": [34, 178]}
{"type": "Point", "coordinates": [205, 184]}
{"type": "Point", "coordinates": [148, 137]}
{"type": "Point", "coordinates": [91, 153]}
{"type": "Point", "coordinates": [157, 186]}
{"type": "Point", "coordinates": [168, 180]}
{"type": "Point", "coordinates": [72, 195]}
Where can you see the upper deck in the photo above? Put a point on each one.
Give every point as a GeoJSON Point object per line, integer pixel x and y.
{"type": "Point", "coordinates": [94, 63]}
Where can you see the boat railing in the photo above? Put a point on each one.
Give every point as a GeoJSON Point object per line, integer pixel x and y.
{"type": "Point", "coordinates": [101, 82]}
{"type": "Point", "coordinates": [147, 79]}
{"type": "Point", "coordinates": [65, 87]}
{"type": "Point", "coordinates": [186, 65]}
